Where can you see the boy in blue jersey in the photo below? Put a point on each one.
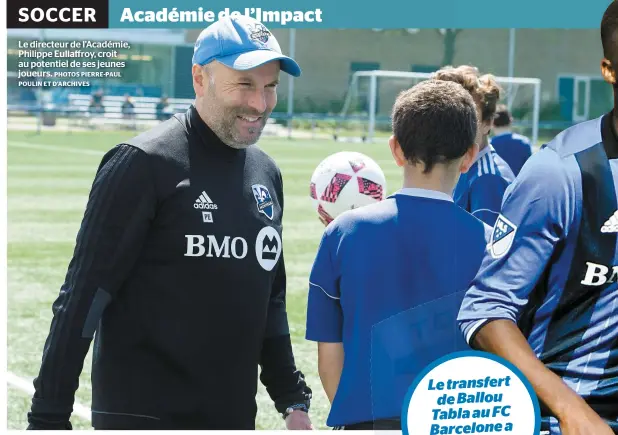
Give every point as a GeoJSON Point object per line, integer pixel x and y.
{"type": "Point", "coordinates": [381, 260]}
{"type": "Point", "coordinates": [481, 189]}
{"type": "Point", "coordinates": [514, 148]}
{"type": "Point", "coordinates": [546, 296]}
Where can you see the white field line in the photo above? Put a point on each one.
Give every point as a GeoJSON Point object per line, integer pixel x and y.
{"type": "Point", "coordinates": [43, 147]}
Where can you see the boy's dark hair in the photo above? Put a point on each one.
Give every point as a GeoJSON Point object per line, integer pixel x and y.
{"type": "Point", "coordinates": [609, 33]}
{"type": "Point", "coordinates": [503, 116]}
{"type": "Point", "coordinates": [434, 122]}
{"type": "Point", "coordinates": [484, 89]}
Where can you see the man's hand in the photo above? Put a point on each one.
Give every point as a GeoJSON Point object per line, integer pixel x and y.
{"type": "Point", "coordinates": [324, 222]}
{"type": "Point", "coordinates": [299, 420]}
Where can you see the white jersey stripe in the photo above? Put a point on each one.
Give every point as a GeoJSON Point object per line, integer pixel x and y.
{"type": "Point", "coordinates": [485, 164]}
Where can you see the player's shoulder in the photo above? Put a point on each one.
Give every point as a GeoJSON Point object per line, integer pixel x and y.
{"type": "Point", "coordinates": [521, 139]}
{"type": "Point", "coordinates": [471, 226]}
{"type": "Point", "coordinates": [163, 138]}
{"type": "Point", "coordinates": [576, 138]}
{"type": "Point", "coordinates": [264, 167]}
{"type": "Point", "coordinates": [485, 165]}
{"type": "Point", "coordinates": [262, 158]}
{"type": "Point", "coordinates": [363, 218]}
{"type": "Point", "coordinates": [542, 164]}
{"type": "Point", "coordinates": [502, 138]}
{"type": "Point", "coordinates": [547, 177]}
{"type": "Point", "coordinates": [555, 160]}
{"type": "Point", "coordinates": [490, 166]}
{"type": "Point", "coordinates": [503, 168]}
{"type": "Point", "coordinates": [126, 156]}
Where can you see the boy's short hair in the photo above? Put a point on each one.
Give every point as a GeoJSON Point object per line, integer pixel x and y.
{"type": "Point", "coordinates": [434, 122]}
{"type": "Point", "coordinates": [483, 88]}
{"type": "Point", "coordinates": [609, 33]}
{"type": "Point", "coordinates": [503, 116]}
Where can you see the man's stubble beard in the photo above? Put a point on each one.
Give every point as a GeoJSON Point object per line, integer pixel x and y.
{"type": "Point", "coordinates": [223, 124]}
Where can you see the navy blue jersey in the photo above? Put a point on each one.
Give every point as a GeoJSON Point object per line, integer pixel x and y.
{"type": "Point", "coordinates": [376, 262]}
{"type": "Point", "coordinates": [514, 148]}
{"type": "Point", "coordinates": [480, 190]}
{"type": "Point", "coordinates": [552, 263]}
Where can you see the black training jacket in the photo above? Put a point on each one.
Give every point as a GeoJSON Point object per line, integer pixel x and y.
{"type": "Point", "coordinates": [178, 275]}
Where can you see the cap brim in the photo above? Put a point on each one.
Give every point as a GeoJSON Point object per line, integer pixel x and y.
{"type": "Point", "coordinates": [253, 59]}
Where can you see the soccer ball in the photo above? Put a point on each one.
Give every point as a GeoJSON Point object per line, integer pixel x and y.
{"type": "Point", "coordinates": [345, 181]}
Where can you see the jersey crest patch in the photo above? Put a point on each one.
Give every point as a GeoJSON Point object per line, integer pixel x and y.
{"type": "Point", "coordinates": [502, 237]}
{"type": "Point", "coordinates": [263, 199]}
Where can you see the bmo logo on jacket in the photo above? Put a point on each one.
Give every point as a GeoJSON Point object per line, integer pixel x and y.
{"type": "Point", "coordinates": [267, 247]}
{"type": "Point", "coordinates": [210, 246]}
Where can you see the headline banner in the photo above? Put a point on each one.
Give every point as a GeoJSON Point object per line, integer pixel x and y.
{"type": "Point", "coordinates": [386, 14]}
{"type": "Point", "coordinates": [383, 14]}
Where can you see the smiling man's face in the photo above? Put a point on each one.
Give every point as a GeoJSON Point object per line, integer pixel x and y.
{"type": "Point", "coordinates": [236, 104]}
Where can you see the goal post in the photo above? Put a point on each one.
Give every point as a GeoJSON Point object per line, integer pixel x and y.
{"type": "Point", "coordinates": [371, 94]}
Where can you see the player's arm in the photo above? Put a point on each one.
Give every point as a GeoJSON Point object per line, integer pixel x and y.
{"type": "Point", "coordinates": [120, 207]}
{"type": "Point", "coordinates": [330, 367]}
{"type": "Point", "coordinates": [325, 317]}
{"type": "Point", "coordinates": [486, 195]}
{"type": "Point", "coordinates": [284, 383]}
{"type": "Point", "coordinates": [503, 338]}
{"type": "Point", "coordinates": [535, 217]}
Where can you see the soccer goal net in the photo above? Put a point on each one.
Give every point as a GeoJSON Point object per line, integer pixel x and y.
{"type": "Point", "coordinates": [371, 94]}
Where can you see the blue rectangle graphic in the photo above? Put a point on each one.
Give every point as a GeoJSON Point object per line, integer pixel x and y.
{"type": "Point", "coordinates": [351, 14]}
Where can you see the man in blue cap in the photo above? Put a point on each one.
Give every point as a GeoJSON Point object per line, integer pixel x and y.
{"type": "Point", "coordinates": [235, 77]}
{"type": "Point", "coordinates": [178, 272]}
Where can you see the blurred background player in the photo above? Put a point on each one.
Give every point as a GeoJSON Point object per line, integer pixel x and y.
{"type": "Point", "coordinates": [128, 110]}
{"type": "Point", "coordinates": [127, 107]}
{"type": "Point", "coordinates": [481, 189]}
{"type": "Point", "coordinates": [514, 148]}
{"type": "Point", "coordinates": [419, 233]}
{"type": "Point", "coordinates": [96, 102]}
{"type": "Point", "coordinates": [162, 109]}
{"type": "Point", "coordinates": [546, 296]}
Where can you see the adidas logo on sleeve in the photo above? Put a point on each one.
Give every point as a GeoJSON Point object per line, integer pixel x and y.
{"type": "Point", "coordinates": [611, 226]}
{"type": "Point", "coordinates": [203, 202]}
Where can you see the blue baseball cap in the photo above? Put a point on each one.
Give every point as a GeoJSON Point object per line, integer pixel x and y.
{"type": "Point", "coordinates": [241, 43]}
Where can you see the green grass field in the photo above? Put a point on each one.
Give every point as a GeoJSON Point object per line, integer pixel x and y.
{"type": "Point", "coordinates": [49, 178]}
